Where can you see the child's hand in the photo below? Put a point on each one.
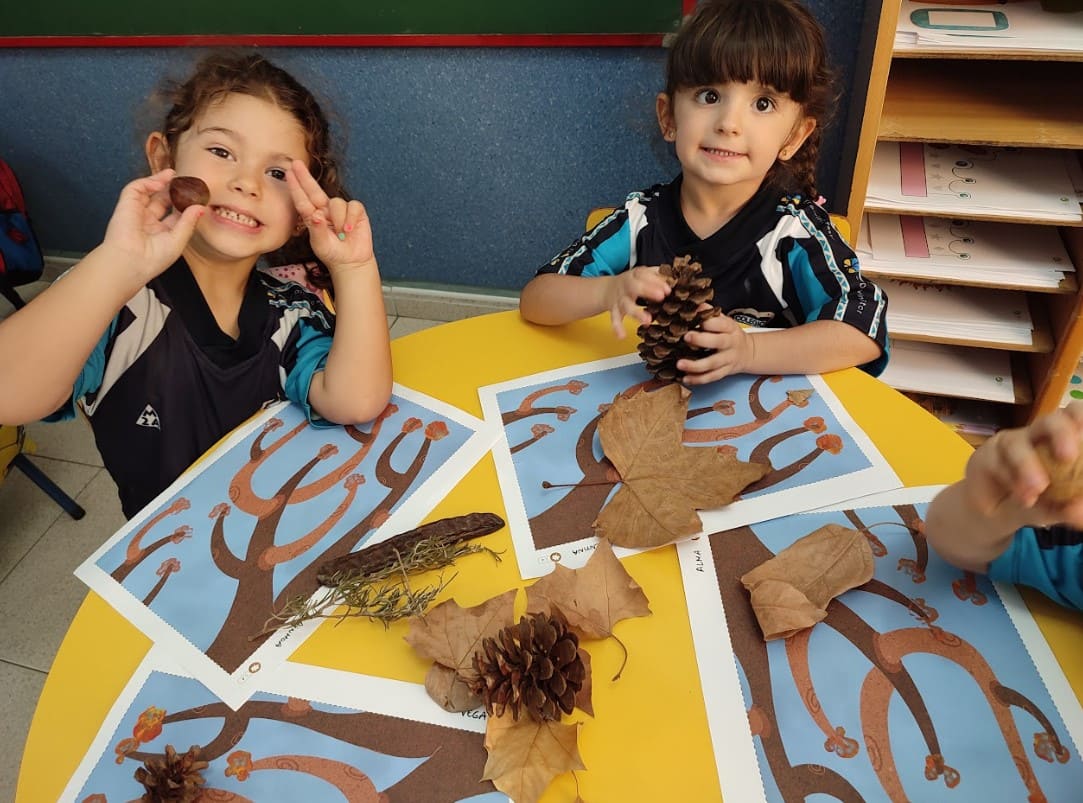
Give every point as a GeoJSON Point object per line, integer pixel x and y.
{"type": "Point", "coordinates": [733, 351]}
{"type": "Point", "coordinates": [338, 230]}
{"type": "Point", "coordinates": [1005, 476]}
{"type": "Point", "coordinates": [141, 234]}
{"type": "Point", "coordinates": [624, 291]}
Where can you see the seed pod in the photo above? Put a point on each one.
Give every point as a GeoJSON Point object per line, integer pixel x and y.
{"type": "Point", "coordinates": [187, 190]}
{"type": "Point", "coordinates": [371, 559]}
{"type": "Point", "coordinates": [1066, 479]}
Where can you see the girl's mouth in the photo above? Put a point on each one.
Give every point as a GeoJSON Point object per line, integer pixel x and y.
{"type": "Point", "coordinates": [721, 152]}
{"type": "Point", "coordinates": [234, 216]}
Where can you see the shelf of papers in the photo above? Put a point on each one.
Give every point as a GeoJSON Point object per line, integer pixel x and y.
{"type": "Point", "coordinates": [967, 204]}
{"type": "Point", "coordinates": [1023, 30]}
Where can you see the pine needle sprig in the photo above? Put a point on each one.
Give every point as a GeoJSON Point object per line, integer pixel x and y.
{"type": "Point", "coordinates": [384, 595]}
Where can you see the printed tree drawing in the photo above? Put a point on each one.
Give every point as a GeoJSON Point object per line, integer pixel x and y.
{"type": "Point", "coordinates": [570, 518]}
{"type": "Point", "coordinates": [454, 759]}
{"type": "Point", "coordinates": [254, 571]}
{"type": "Point", "coordinates": [738, 551]}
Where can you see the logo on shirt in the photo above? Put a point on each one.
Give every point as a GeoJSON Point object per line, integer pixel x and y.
{"type": "Point", "coordinates": [751, 317]}
{"type": "Point", "coordinates": [149, 418]}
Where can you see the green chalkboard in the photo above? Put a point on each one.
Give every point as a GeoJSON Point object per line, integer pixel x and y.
{"type": "Point", "coordinates": [188, 18]}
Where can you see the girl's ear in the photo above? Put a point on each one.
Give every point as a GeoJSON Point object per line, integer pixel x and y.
{"type": "Point", "coordinates": [663, 107]}
{"type": "Point", "coordinates": [800, 133]}
{"type": "Point", "coordinates": [157, 150]}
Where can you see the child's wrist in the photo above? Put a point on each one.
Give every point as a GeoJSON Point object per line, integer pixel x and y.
{"type": "Point", "coordinates": [366, 268]}
{"type": "Point", "coordinates": [128, 272]}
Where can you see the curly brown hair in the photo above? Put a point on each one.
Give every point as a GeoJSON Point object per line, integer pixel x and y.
{"type": "Point", "coordinates": [224, 73]}
{"type": "Point", "coordinates": [777, 43]}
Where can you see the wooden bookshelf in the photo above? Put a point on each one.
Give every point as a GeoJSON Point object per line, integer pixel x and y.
{"type": "Point", "coordinates": [966, 95]}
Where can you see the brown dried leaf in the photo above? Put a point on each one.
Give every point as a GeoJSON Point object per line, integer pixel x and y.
{"type": "Point", "coordinates": [583, 698]}
{"type": "Point", "coordinates": [665, 482]}
{"type": "Point", "coordinates": [525, 756]}
{"type": "Point", "coordinates": [449, 690]}
{"type": "Point", "coordinates": [449, 634]}
{"type": "Point", "coordinates": [791, 591]}
{"type": "Point", "coordinates": [593, 598]}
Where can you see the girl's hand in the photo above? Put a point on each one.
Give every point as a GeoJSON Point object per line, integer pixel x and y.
{"type": "Point", "coordinates": [733, 351]}
{"type": "Point", "coordinates": [1006, 478]}
{"type": "Point", "coordinates": [624, 291]}
{"type": "Point", "coordinates": [141, 234]}
{"type": "Point", "coordinates": [338, 230]}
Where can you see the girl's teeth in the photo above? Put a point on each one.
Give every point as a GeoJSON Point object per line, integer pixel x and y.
{"type": "Point", "coordinates": [236, 217]}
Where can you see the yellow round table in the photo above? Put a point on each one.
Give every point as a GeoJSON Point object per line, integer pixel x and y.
{"type": "Point", "coordinates": [648, 740]}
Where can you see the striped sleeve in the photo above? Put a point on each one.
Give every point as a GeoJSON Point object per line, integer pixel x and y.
{"type": "Point", "coordinates": [304, 336]}
{"type": "Point", "coordinates": [1048, 559]}
{"type": "Point", "coordinates": [605, 250]}
{"type": "Point", "coordinates": [828, 282]}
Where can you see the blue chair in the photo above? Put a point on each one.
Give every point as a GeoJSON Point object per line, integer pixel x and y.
{"type": "Point", "coordinates": [13, 446]}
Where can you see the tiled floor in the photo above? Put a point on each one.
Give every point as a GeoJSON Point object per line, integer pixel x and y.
{"type": "Point", "coordinates": [40, 545]}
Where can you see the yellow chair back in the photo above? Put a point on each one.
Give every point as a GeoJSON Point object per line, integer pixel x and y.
{"type": "Point", "coordinates": [600, 213]}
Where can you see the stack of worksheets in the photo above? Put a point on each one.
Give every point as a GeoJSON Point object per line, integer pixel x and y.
{"type": "Point", "coordinates": [956, 312]}
{"type": "Point", "coordinates": [988, 28]}
{"type": "Point", "coordinates": [973, 181]}
{"type": "Point", "coordinates": [963, 251]}
{"type": "Point", "coordinates": [943, 370]}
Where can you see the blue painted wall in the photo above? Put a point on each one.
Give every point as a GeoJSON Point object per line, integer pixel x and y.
{"type": "Point", "coordinates": [477, 165]}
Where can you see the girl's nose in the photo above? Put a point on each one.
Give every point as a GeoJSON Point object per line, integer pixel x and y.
{"type": "Point", "coordinates": [244, 182]}
{"type": "Point", "coordinates": [728, 119]}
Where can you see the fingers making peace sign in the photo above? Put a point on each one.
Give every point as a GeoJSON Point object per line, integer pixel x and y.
{"type": "Point", "coordinates": [338, 230]}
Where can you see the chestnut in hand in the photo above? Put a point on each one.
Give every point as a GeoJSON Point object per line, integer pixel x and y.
{"type": "Point", "coordinates": [187, 190]}
{"type": "Point", "coordinates": [1065, 479]}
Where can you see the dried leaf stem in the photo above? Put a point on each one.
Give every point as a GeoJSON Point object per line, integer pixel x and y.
{"type": "Point", "coordinates": [623, 663]}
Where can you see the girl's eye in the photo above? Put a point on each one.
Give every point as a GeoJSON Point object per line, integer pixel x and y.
{"type": "Point", "coordinates": [764, 104]}
{"type": "Point", "coordinates": [707, 96]}
{"type": "Point", "coordinates": [221, 153]}
{"type": "Point", "coordinates": [277, 173]}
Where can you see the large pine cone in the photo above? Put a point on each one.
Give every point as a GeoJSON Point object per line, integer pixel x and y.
{"type": "Point", "coordinates": [678, 313]}
{"type": "Point", "coordinates": [534, 666]}
{"type": "Point", "coordinates": [172, 777]}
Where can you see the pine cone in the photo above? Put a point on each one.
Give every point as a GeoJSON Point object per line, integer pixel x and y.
{"type": "Point", "coordinates": [678, 313]}
{"type": "Point", "coordinates": [534, 666]}
{"type": "Point", "coordinates": [172, 777]}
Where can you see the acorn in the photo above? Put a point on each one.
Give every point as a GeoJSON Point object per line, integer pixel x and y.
{"type": "Point", "coordinates": [1065, 479]}
{"type": "Point", "coordinates": [187, 190]}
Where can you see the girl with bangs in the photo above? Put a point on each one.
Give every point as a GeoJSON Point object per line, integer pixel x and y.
{"type": "Point", "coordinates": [747, 93]}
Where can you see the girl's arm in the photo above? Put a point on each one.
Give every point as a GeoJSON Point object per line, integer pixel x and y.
{"type": "Point", "coordinates": [811, 348]}
{"type": "Point", "coordinates": [554, 298]}
{"type": "Point", "coordinates": [973, 521]}
{"type": "Point", "coordinates": [355, 384]}
{"type": "Point", "coordinates": [44, 345]}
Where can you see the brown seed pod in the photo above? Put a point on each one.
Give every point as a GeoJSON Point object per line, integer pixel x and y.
{"type": "Point", "coordinates": [187, 190]}
{"type": "Point", "coordinates": [1066, 479]}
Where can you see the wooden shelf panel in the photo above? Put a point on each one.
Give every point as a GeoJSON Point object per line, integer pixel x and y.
{"type": "Point", "coordinates": [876, 206]}
{"type": "Point", "coordinates": [1025, 104]}
{"type": "Point", "coordinates": [980, 53]}
{"type": "Point", "coordinates": [1067, 286]}
{"type": "Point", "coordinates": [1041, 344]}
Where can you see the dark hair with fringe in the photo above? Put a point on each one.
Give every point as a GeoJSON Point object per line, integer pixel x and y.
{"type": "Point", "coordinates": [223, 73]}
{"type": "Point", "coordinates": [777, 43]}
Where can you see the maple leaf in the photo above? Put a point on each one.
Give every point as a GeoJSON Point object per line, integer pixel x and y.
{"type": "Point", "coordinates": [664, 481]}
{"type": "Point", "coordinates": [450, 692]}
{"type": "Point", "coordinates": [449, 634]}
{"type": "Point", "coordinates": [525, 756]}
{"type": "Point", "coordinates": [593, 598]}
